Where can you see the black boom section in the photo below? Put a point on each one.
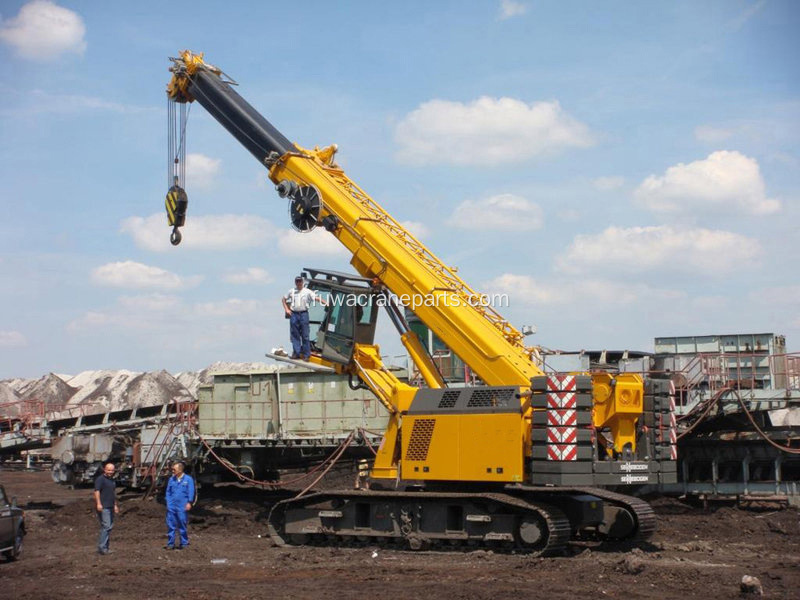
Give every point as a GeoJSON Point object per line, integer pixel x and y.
{"type": "Point", "coordinates": [236, 115]}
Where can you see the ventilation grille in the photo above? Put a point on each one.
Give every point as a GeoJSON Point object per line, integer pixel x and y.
{"type": "Point", "coordinates": [491, 398]}
{"type": "Point", "coordinates": [449, 399]}
{"type": "Point", "coordinates": [421, 434]}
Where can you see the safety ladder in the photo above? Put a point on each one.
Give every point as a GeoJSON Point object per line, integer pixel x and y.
{"type": "Point", "coordinates": [170, 433]}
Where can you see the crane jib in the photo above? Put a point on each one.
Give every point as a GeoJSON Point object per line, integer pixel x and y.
{"type": "Point", "coordinates": [234, 113]}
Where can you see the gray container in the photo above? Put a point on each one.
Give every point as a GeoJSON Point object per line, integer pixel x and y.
{"type": "Point", "coordinates": [285, 404]}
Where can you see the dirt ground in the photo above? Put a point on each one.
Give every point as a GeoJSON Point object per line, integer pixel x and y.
{"type": "Point", "coordinates": [696, 553]}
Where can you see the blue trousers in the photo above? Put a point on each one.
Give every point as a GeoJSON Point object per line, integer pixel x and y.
{"type": "Point", "coordinates": [298, 331]}
{"type": "Point", "coordinates": [106, 518]}
{"type": "Point", "coordinates": [177, 519]}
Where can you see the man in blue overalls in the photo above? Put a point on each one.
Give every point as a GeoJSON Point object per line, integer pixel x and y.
{"type": "Point", "coordinates": [180, 496]}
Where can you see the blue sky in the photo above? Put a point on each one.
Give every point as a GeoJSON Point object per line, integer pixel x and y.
{"type": "Point", "coordinates": [623, 170]}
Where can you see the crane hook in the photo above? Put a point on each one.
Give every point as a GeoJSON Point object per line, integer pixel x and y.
{"type": "Point", "coordinates": [176, 203]}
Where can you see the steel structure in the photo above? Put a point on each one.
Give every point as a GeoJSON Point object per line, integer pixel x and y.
{"type": "Point", "coordinates": [738, 407]}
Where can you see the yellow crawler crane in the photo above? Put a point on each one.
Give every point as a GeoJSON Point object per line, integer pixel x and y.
{"type": "Point", "coordinates": [515, 463]}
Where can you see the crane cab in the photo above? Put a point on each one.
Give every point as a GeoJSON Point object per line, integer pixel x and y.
{"type": "Point", "coordinates": [349, 317]}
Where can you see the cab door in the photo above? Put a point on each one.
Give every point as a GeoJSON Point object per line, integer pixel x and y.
{"type": "Point", "coordinates": [335, 338]}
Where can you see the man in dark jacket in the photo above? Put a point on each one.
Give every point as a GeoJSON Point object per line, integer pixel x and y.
{"type": "Point", "coordinates": [180, 496]}
{"type": "Point", "coordinates": [105, 499]}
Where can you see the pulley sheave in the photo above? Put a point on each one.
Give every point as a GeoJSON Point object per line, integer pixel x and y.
{"type": "Point", "coordinates": [305, 206]}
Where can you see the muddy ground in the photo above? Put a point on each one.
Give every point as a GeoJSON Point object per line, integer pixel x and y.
{"type": "Point", "coordinates": [696, 553]}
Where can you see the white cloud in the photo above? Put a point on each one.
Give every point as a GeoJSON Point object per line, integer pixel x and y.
{"type": "Point", "coordinates": [150, 302]}
{"type": "Point", "coordinates": [201, 170]}
{"type": "Point", "coordinates": [232, 307]}
{"type": "Point", "coordinates": [43, 30]}
{"type": "Point", "coordinates": [503, 212]}
{"type": "Point", "coordinates": [417, 229]}
{"type": "Point", "coordinates": [160, 314]}
{"type": "Point", "coordinates": [520, 288]}
{"type": "Point", "coordinates": [250, 275]}
{"type": "Point", "coordinates": [607, 184]}
{"type": "Point", "coordinates": [12, 339]}
{"type": "Point", "coordinates": [210, 232]}
{"type": "Point", "coordinates": [133, 275]}
{"type": "Point", "coordinates": [725, 181]}
{"type": "Point", "coordinates": [510, 8]}
{"type": "Point", "coordinates": [526, 290]}
{"type": "Point", "coordinates": [487, 131]}
{"type": "Point", "coordinates": [316, 242]}
{"type": "Point", "coordinates": [91, 320]}
{"type": "Point", "coordinates": [39, 102]}
{"type": "Point", "coordinates": [638, 249]}
{"type": "Point", "coordinates": [711, 134]}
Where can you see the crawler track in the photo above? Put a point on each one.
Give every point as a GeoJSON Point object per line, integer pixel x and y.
{"type": "Point", "coordinates": [418, 520]}
{"type": "Point", "coordinates": [640, 517]}
{"type": "Point", "coordinates": [642, 512]}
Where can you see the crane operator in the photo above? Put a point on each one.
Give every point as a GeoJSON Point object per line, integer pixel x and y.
{"type": "Point", "coordinates": [295, 304]}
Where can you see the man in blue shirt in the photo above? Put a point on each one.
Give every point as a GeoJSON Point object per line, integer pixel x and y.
{"type": "Point", "coordinates": [180, 496]}
{"type": "Point", "coordinates": [105, 500]}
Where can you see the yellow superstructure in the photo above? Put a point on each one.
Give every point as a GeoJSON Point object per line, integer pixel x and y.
{"type": "Point", "coordinates": [465, 447]}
